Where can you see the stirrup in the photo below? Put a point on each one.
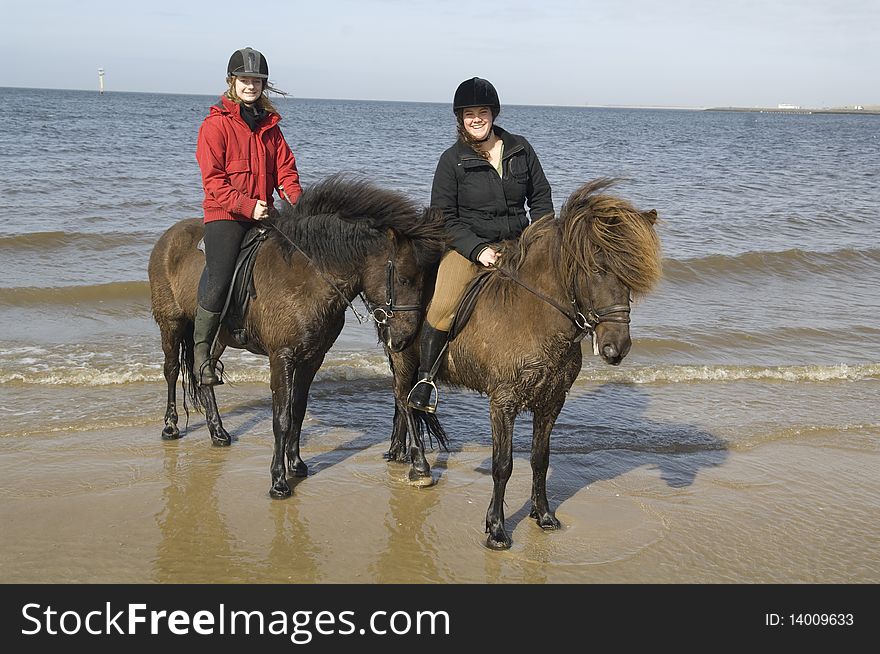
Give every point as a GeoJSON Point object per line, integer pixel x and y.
{"type": "Point", "coordinates": [217, 367]}
{"type": "Point", "coordinates": [428, 407]}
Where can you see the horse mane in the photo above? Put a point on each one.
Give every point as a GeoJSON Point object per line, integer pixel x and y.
{"type": "Point", "coordinates": [340, 220]}
{"type": "Point", "coordinates": [593, 223]}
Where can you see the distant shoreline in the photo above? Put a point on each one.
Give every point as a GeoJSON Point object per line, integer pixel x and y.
{"type": "Point", "coordinates": [872, 111]}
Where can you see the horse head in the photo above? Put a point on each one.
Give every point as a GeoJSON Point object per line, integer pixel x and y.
{"type": "Point", "coordinates": [611, 255]}
{"type": "Point", "coordinates": [378, 240]}
{"type": "Point", "coordinates": [393, 284]}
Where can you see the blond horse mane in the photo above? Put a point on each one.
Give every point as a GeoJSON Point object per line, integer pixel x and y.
{"type": "Point", "coordinates": [593, 223]}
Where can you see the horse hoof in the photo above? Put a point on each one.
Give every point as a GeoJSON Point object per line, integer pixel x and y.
{"type": "Point", "coordinates": [419, 478]}
{"type": "Point", "coordinates": [280, 491]}
{"type": "Point", "coordinates": [546, 521]}
{"type": "Point", "coordinates": [221, 440]}
{"type": "Point", "coordinates": [298, 470]}
{"type": "Point", "coordinates": [170, 433]}
{"type": "Point", "coordinates": [549, 523]}
{"type": "Point", "coordinates": [499, 544]}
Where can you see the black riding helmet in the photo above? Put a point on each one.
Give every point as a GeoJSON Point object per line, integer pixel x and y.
{"type": "Point", "coordinates": [248, 62]}
{"type": "Point", "coordinates": [476, 92]}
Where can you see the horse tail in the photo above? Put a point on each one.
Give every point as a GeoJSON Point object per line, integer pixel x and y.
{"type": "Point", "coordinates": [188, 376]}
{"type": "Point", "coordinates": [428, 423]}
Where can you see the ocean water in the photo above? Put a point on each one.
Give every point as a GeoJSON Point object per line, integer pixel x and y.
{"type": "Point", "coordinates": [770, 230]}
{"type": "Point", "coordinates": [764, 329]}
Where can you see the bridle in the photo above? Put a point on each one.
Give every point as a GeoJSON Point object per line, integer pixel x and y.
{"type": "Point", "coordinates": [585, 322]}
{"type": "Point", "coordinates": [381, 313]}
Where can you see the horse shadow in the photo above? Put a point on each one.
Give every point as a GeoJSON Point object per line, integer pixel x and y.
{"type": "Point", "coordinates": [610, 427]}
{"type": "Point", "coordinates": [255, 411]}
{"type": "Point", "coordinates": [323, 416]}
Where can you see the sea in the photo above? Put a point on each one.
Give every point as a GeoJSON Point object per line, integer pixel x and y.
{"type": "Point", "coordinates": [764, 329]}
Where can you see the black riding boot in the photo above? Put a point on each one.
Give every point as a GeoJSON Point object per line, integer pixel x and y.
{"type": "Point", "coordinates": [204, 329]}
{"type": "Point", "coordinates": [430, 347]}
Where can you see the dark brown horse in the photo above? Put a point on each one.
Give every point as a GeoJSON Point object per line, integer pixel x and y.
{"type": "Point", "coordinates": [343, 238]}
{"type": "Point", "coordinates": [565, 279]}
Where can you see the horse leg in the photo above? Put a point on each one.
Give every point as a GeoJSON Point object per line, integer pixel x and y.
{"type": "Point", "coordinates": [542, 425]}
{"type": "Point", "coordinates": [219, 435]}
{"type": "Point", "coordinates": [420, 468]}
{"type": "Point", "coordinates": [503, 418]}
{"type": "Point", "coordinates": [302, 381]}
{"type": "Point", "coordinates": [397, 448]}
{"type": "Point", "coordinates": [171, 340]}
{"type": "Point", "coordinates": [404, 366]}
{"type": "Point", "coordinates": [281, 369]}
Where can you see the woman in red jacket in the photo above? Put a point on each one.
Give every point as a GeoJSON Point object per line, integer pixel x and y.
{"type": "Point", "coordinates": [243, 158]}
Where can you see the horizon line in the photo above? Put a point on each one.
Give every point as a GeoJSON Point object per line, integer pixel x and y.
{"type": "Point", "coordinates": [584, 105]}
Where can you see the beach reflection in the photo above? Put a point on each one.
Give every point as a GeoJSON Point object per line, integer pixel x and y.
{"type": "Point", "coordinates": [194, 536]}
{"type": "Point", "coordinates": [411, 552]}
{"type": "Point", "coordinates": [292, 556]}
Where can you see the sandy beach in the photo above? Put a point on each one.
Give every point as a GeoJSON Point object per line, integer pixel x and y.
{"type": "Point", "coordinates": [122, 506]}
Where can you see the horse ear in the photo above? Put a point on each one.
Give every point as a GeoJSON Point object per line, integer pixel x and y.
{"type": "Point", "coordinates": [651, 215]}
{"type": "Point", "coordinates": [392, 236]}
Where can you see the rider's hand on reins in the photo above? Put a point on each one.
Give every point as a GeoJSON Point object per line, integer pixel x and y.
{"type": "Point", "coordinates": [261, 210]}
{"type": "Point", "coordinates": [488, 257]}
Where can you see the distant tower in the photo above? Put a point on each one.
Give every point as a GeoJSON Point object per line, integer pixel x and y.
{"type": "Point", "coordinates": [101, 79]}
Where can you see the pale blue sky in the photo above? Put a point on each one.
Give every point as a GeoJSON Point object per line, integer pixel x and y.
{"type": "Point", "coordinates": [695, 53]}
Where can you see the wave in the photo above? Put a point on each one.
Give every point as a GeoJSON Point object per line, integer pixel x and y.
{"type": "Point", "coordinates": [677, 374]}
{"type": "Point", "coordinates": [37, 295]}
{"type": "Point", "coordinates": [788, 263]}
{"type": "Point", "coordinates": [43, 241]}
{"type": "Point", "coordinates": [717, 338]}
{"type": "Point", "coordinates": [366, 367]}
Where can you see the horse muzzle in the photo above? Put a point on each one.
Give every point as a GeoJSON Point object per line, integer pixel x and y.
{"type": "Point", "coordinates": [615, 345]}
{"type": "Point", "coordinates": [395, 342]}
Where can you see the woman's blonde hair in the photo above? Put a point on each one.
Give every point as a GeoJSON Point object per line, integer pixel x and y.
{"type": "Point", "coordinates": [264, 101]}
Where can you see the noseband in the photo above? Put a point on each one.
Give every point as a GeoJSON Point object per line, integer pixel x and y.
{"type": "Point", "coordinates": [587, 324]}
{"type": "Point", "coordinates": [382, 313]}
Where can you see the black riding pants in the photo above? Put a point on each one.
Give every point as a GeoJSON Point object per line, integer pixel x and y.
{"type": "Point", "coordinates": [222, 243]}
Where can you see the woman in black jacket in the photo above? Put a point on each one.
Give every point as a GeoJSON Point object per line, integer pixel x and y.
{"type": "Point", "coordinates": [482, 184]}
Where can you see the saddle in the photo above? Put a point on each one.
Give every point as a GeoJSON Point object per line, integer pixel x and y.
{"type": "Point", "coordinates": [242, 288]}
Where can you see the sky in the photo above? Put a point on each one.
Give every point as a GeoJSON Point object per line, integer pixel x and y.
{"type": "Point", "coordinates": [665, 53]}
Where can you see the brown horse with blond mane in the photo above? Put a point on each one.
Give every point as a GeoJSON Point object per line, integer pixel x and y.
{"type": "Point", "coordinates": [565, 279]}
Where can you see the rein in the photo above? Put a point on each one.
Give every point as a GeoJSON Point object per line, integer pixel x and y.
{"type": "Point", "coordinates": [359, 317]}
{"type": "Point", "coordinates": [584, 323]}
{"type": "Point", "coordinates": [380, 314]}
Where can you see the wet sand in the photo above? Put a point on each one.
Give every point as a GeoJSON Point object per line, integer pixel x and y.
{"type": "Point", "coordinates": [122, 506]}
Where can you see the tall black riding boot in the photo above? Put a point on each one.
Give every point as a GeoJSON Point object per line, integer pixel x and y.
{"type": "Point", "coordinates": [430, 347]}
{"type": "Point", "coordinates": [204, 329]}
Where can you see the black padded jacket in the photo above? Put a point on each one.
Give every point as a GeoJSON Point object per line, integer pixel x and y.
{"type": "Point", "coordinates": [480, 207]}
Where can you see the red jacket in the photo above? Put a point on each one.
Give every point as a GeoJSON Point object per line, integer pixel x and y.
{"type": "Point", "coordinates": [240, 167]}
